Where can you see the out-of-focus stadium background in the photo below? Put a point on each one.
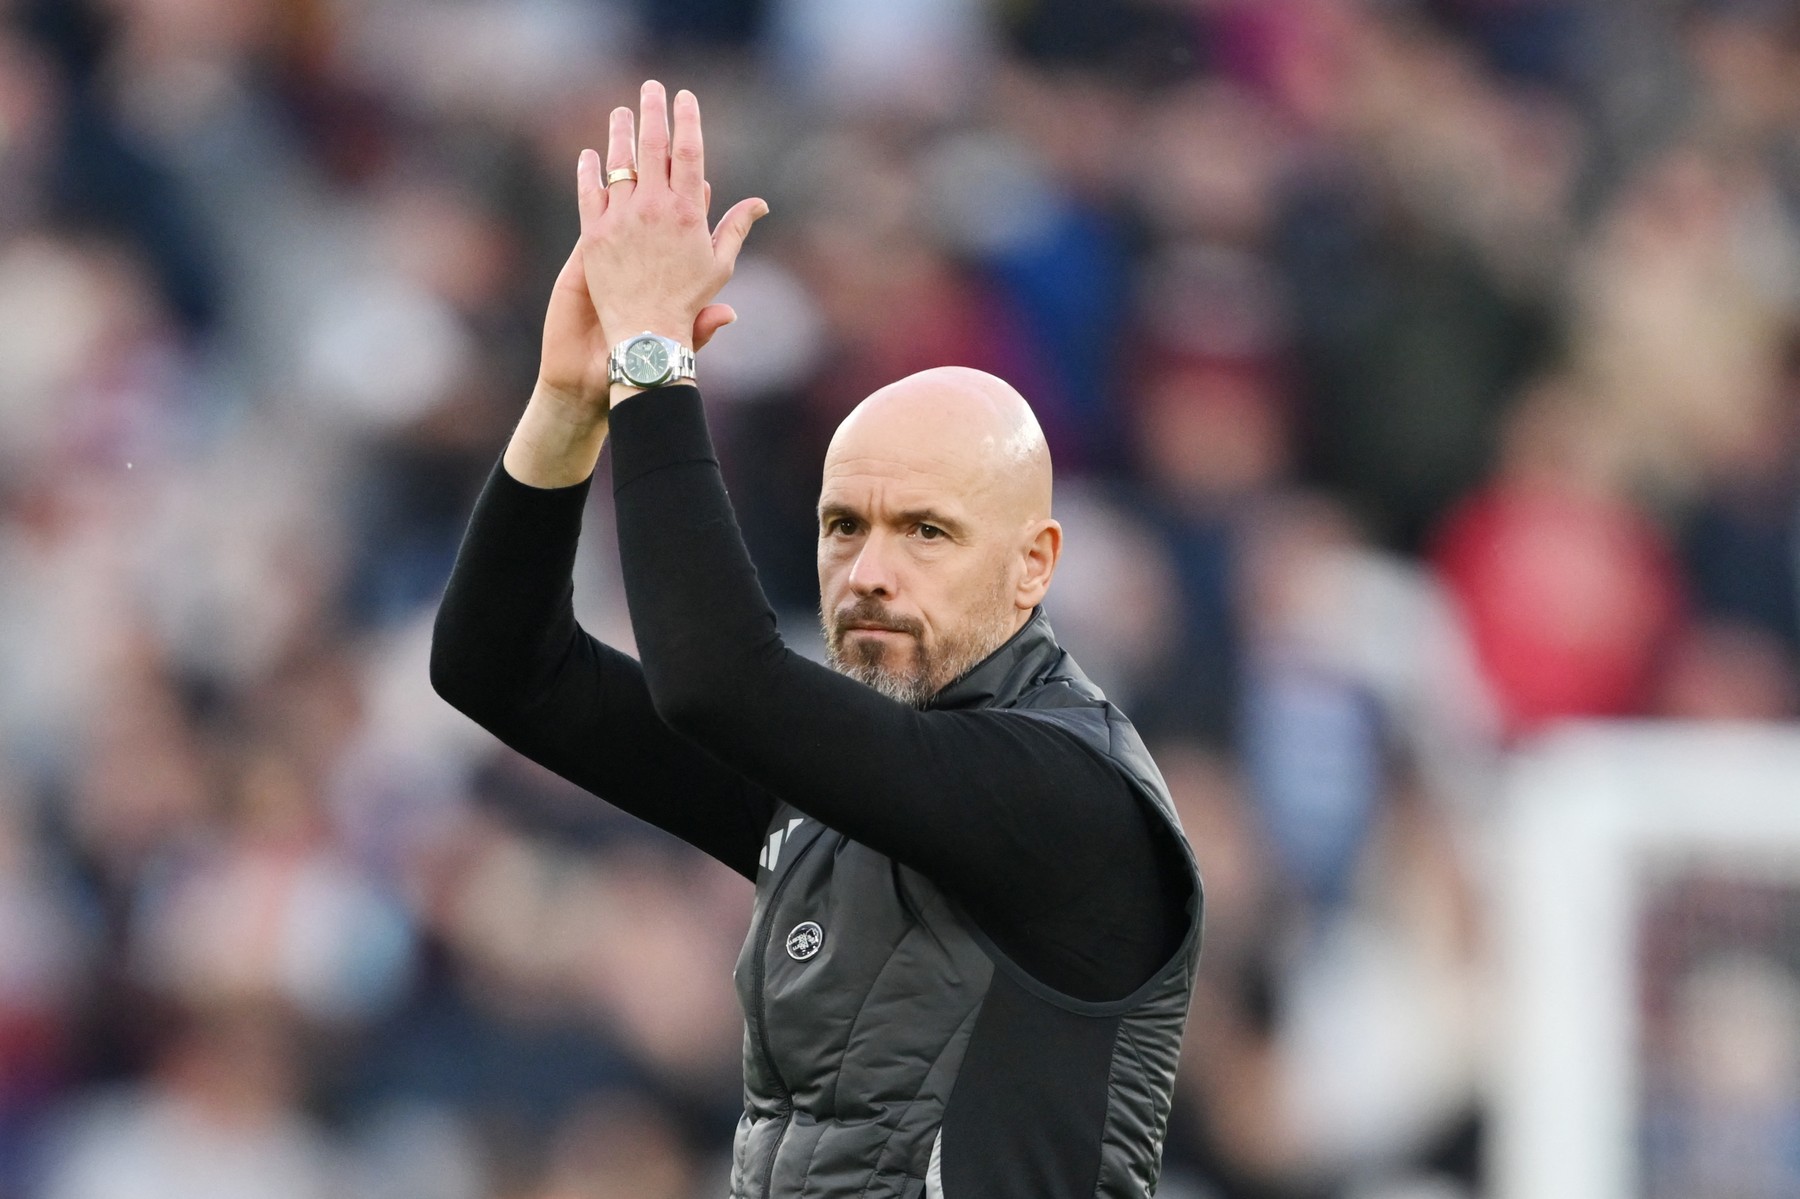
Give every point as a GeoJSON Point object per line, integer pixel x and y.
{"type": "Point", "coordinates": [1419, 375]}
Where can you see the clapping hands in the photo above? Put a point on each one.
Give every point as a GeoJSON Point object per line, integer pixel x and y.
{"type": "Point", "coordinates": [646, 259]}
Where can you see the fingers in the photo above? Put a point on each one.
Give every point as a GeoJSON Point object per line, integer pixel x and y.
{"type": "Point", "coordinates": [687, 155]}
{"type": "Point", "coordinates": [653, 136]}
{"type": "Point", "coordinates": [590, 195]}
{"type": "Point", "coordinates": [621, 152]}
{"type": "Point", "coordinates": [733, 228]}
{"type": "Point", "coordinates": [712, 318]}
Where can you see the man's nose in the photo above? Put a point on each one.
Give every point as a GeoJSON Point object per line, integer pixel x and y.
{"type": "Point", "coordinates": [872, 574]}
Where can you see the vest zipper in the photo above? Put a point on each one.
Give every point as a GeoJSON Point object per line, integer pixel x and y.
{"type": "Point", "coordinates": [762, 1035]}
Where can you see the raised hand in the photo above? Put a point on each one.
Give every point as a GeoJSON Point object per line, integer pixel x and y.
{"type": "Point", "coordinates": [648, 258]}
{"type": "Point", "coordinates": [627, 228]}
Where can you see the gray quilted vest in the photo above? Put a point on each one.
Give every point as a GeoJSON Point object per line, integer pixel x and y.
{"type": "Point", "coordinates": [892, 1052]}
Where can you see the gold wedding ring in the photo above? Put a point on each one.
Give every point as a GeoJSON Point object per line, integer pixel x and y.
{"type": "Point", "coordinates": [618, 173]}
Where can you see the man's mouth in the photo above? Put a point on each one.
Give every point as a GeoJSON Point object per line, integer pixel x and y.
{"type": "Point", "coordinates": [876, 624]}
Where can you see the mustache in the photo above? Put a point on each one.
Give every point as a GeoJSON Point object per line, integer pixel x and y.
{"type": "Point", "coordinates": [870, 611]}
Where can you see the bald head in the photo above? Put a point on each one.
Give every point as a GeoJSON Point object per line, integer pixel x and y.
{"type": "Point", "coordinates": [959, 423]}
{"type": "Point", "coordinates": [935, 537]}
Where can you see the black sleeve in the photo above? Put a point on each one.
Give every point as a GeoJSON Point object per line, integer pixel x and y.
{"type": "Point", "coordinates": [506, 650]}
{"type": "Point", "coordinates": [1041, 838]}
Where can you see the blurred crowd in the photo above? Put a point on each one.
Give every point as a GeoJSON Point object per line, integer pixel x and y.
{"type": "Point", "coordinates": [1419, 374]}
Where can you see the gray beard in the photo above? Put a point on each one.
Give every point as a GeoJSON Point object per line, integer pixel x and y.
{"type": "Point", "coordinates": [931, 670]}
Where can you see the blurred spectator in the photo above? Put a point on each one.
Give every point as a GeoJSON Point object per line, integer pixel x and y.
{"type": "Point", "coordinates": [1728, 672]}
{"type": "Point", "coordinates": [1314, 735]}
{"type": "Point", "coordinates": [1720, 989]}
{"type": "Point", "coordinates": [1568, 591]}
{"type": "Point", "coordinates": [1740, 536]}
{"type": "Point", "coordinates": [906, 58]}
{"type": "Point", "coordinates": [272, 913]}
{"type": "Point", "coordinates": [1681, 310]}
{"type": "Point", "coordinates": [1726, 1122]}
{"type": "Point", "coordinates": [619, 1149]}
{"type": "Point", "coordinates": [46, 954]}
{"type": "Point", "coordinates": [1211, 443]}
{"type": "Point", "coordinates": [217, 1117]}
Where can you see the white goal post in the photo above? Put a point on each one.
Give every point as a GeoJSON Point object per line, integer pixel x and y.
{"type": "Point", "coordinates": [1594, 818]}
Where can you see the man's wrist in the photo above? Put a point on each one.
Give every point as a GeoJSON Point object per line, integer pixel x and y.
{"type": "Point", "coordinates": [567, 409]}
{"type": "Point", "coordinates": [629, 326]}
{"type": "Point", "coordinates": [557, 440]}
{"type": "Point", "coordinates": [624, 391]}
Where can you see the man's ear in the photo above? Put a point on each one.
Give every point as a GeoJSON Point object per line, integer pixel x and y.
{"type": "Point", "coordinates": [1041, 553]}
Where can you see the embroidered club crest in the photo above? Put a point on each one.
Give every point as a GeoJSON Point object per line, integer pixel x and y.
{"type": "Point", "coordinates": [805, 940]}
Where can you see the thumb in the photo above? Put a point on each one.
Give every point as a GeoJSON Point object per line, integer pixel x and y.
{"type": "Point", "coordinates": [712, 318]}
{"type": "Point", "coordinates": [571, 308]}
{"type": "Point", "coordinates": [734, 227]}
{"type": "Point", "coordinates": [572, 278]}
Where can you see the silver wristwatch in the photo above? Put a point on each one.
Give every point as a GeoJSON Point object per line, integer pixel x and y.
{"type": "Point", "coordinates": [648, 360]}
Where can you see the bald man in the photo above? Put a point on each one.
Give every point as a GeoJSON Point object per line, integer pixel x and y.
{"type": "Point", "coordinates": [947, 458]}
{"type": "Point", "coordinates": [977, 920]}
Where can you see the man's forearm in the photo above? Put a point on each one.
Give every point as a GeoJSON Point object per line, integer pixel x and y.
{"type": "Point", "coordinates": [507, 651]}
{"type": "Point", "coordinates": [556, 443]}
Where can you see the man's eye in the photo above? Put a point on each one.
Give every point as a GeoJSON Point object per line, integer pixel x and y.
{"type": "Point", "coordinates": [843, 526]}
{"type": "Point", "coordinates": [930, 532]}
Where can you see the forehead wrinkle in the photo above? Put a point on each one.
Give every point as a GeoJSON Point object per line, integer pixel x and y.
{"type": "Point", "coordinates": [936, 475]}
{"type": "Point", "coordinates": [899, 500]}
{"type": "Point", "coordinates": [877, 464]}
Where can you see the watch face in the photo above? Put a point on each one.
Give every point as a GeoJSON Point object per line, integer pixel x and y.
{"type": "Point", "coordinates": [646, 361]}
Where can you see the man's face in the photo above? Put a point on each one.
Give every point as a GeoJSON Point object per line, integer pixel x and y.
{"type": "Point", "coordinates": [918, 574]}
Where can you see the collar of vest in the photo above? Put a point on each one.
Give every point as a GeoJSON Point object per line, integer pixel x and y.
{"type": "Point", "coordinates": [1009, 672]}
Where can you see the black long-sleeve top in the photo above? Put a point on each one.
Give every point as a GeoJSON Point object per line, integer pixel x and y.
{"type": "Point", "coordinates": [1041, 840]}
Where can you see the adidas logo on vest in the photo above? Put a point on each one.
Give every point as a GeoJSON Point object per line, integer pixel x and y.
{"type": "Point", "coordinates": [771, 853]}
